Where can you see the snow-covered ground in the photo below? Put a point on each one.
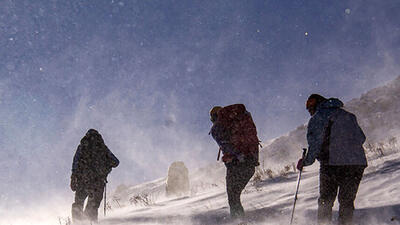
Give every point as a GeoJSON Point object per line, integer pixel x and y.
{"type": "Point", "coordinates": [268, 201]}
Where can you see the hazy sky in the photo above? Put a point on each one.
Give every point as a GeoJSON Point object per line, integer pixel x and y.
{"type": "Point", "coordinates": [146, 72]}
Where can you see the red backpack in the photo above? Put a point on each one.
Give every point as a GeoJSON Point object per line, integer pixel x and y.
{"type": "Point", "coordinates": [243, 132]}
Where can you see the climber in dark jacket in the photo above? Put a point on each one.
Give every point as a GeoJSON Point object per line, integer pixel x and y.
{"type": "Point", "coordinates": [93, 161]}
{"type": "Point", "coordinates": [239, 168]}
{"type": "Point", "coordinates": [336, 140]}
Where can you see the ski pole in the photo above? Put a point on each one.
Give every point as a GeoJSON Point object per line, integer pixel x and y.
{"type": "Point", "coordinates": [105, 197]}
{"type": "Point", "coordinates": [297, 187]}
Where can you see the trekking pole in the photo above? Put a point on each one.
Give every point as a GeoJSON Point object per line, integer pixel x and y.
{"type": "Point", "coordinates": [297, 187]}
{"type": "Point", "coordinates": [105, 197]}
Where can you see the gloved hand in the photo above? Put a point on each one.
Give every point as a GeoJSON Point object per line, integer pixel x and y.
{"type": "Point", "coordinates": [74, 182]}
{"type": "Point", "coordinates": [300, 164]}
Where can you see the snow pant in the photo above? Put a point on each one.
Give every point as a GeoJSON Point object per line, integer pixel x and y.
{"type": "Point", "coordinates": [332, 179]}
{"type": "Point", "coordinates": [94, 195]}
{"type": "Point", "coordinates": [237, 177]}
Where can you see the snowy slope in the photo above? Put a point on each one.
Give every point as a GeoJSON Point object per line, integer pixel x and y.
{"type": "Point", "coordinates": [270, 201]}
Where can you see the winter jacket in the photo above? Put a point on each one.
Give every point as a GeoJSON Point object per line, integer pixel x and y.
{"type": "Point", "coordinates": [334, 136]}
{"type": "Point", "coordinates": [93, 161]}
{"type": "Point", "coordinates": [222, 137]}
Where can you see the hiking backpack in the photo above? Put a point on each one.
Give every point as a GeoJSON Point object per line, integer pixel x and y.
{"type": "Point", "coordinates": [243, 133]}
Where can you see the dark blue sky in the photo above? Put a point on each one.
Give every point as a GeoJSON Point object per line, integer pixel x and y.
{"type": "Point", "coordinates": [145, 74]}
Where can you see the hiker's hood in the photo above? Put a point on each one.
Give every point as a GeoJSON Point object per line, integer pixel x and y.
{"type": "Point", "coordinates": [93, 138]}
{"type": "Point", "coordinates": [331, 103]}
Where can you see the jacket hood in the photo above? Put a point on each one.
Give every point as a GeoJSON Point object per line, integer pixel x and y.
{"type": "Point", "coordinates": [92, 137]}
{"type": "Point", "coordinates": [331, 103]}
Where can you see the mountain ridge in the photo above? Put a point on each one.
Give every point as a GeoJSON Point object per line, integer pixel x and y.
{"type": "Point", "coordinates": [376, 111]}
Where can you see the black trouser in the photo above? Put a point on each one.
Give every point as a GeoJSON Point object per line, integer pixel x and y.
{"type": "Point", "coordinates": [94, 195]}
{"type": "Point", "coordinates": [332, 179]}
{"type": "Point", "coordinates": [237, 177]}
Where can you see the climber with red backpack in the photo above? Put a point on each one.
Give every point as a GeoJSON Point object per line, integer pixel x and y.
{"type": "Point", "coordinates": [236, 135]}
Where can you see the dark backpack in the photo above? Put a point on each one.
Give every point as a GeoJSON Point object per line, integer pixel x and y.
{"type": "Point", "coordinates": [93, 161]}
{"type": "Point", "coordinates": [243, 133]}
